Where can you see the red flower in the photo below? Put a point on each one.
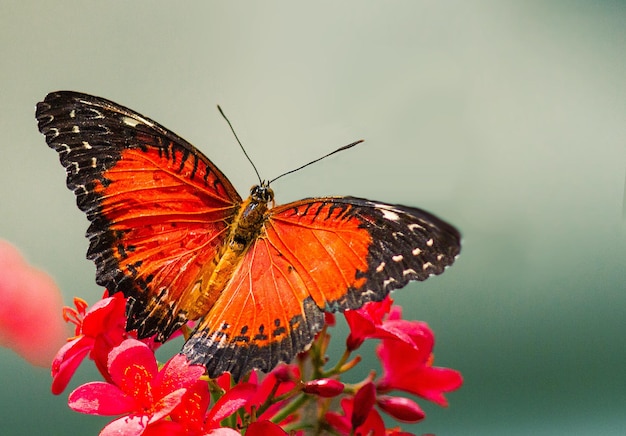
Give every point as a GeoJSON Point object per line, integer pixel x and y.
{"type": "Point", "coordinates": [98, 330]}
{"type": "Point", "coordinates": [359, 418]}
{"type": "Point", "coordinates": [409, 367]}
{"type": "Point", "coordinates": [278, 382]}
{"type": "Point", "coordinates": [29, 306]}
{"type": "Point", "coordinates": [376, 320]}
{"type": "Point", "coordinates": [139, 390]}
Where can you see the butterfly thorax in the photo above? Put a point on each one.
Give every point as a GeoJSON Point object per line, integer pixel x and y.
{"type": "Point", "coordinates": [245, 228]}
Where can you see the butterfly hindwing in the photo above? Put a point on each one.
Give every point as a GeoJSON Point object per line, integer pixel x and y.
{"type": "Point", "coordinates": [333, 253]}
{"type": "Point", "coordinates": [264, 316]}
{"type": "Point", "coordinates": [159, 209]}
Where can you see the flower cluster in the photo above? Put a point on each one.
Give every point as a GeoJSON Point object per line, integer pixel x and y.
{"type": "Point", "coordinates": [177, 398]}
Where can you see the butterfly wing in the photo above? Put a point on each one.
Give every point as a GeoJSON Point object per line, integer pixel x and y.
{"type": "Point", "coordinates": [159, 209]}
{"type": "Point", "coordinates": [333, 253]}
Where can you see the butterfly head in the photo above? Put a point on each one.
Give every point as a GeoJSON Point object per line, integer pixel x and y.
{"type": "Point", "coordinates": [262, 193]}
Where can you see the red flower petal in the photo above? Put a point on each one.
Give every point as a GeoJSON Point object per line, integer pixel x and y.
{"type": "Point", "coordinates": [105, 315]}
{"type": "Point", "coordinates": [100, 398]}
{"type": "Point", "coordinates": [67, 361]}
{"type": "Point", "coordinates": [132, 366]}
{"type": "Point", "coordinates": [265, 428]}
{"type": "Point", "coordinates": [165, 405]}
{"type": "Point", "coordinates": [228, 404]}
{"type": "Point", "coordinates": [364, 400]}
{"type": "Point", "coordinates": [132, 425]}
{"type": "Point", "coordinates": [407, 368]}
{"type": "Point", "coordinates": [177, 373]}
{"type": "Point", "coordinates": [223, 432]}
{"type": "Point", "coordinates": [192, 408]}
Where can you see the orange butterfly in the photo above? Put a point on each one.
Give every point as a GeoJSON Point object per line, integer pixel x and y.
{"type": "Point", "coordinates": [169, 231]}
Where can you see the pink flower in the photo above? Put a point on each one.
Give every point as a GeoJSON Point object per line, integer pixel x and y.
{"type": "Point", "coordinates": [98, 330]}
{"type": "Point", "coordinates": [30, 304]}
{"type": "Point", "coordinates": [138, 390]}
{"type": "Point", "coordinates": [408, 367]}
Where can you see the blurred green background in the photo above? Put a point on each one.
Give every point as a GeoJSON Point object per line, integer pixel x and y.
{"type": "Point", "coordinates": [506, 118]}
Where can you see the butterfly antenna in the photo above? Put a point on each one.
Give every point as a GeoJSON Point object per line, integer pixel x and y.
{"type": "Point", "coordinates": [345, 147]}
{"type": "Point", "coordinates": [239, 142]}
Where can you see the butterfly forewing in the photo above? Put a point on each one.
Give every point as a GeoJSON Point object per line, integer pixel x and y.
{"type": "Point", "coordinates": [159, 209]}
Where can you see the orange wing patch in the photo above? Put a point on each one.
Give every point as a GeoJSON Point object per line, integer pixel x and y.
{"type": "Point", "coordinates": [264, 316]}
{"type": "Point", "coordinates": [325, 243]}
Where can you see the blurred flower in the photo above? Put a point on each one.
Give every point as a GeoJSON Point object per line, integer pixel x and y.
{"type": "Point", "coordinates": [30, 304]}
{"type": "Point", "coordinates": [139, 390]}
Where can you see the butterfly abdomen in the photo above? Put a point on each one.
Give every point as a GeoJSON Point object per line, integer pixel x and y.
{"type": "Point", "coordinates": [244, 230]}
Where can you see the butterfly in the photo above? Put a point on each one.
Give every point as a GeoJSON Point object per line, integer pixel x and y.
{"type": "Point", "coordinates": [169, 231]}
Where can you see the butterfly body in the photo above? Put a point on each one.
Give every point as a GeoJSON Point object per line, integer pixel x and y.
{"type": "Point", "coordinates": [171, 233]}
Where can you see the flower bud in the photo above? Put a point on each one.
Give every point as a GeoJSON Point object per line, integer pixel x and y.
{"type": "Point", "coordinates": [402, 409]}
{"type": "Point", "coordinates": [364, 400]}
{"type": "Point", "coordinates": [325, 387]}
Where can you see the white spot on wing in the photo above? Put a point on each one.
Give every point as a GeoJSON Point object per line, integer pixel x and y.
{"type": "Point", "coordinates": [73, 113]}
{"type": "Point", "coordinates": [380, 267]}
{"type": "Point", "coordinates": [416, 252]}
{"type": "Point", "coordinates": [130, 121]}
{"type": "Point", "coordinates": [388, 281]}
{"type": "Point", "coordinates": [406, 272]}
{"type": "Point", "coordinates": [86, 145]}
{"type": "Point", "coordinates": [414, 226]}
{"type": "Point", "coordinates": [367, 293]}
{"type": "Point", "coordinates": [430, 242]}
{"type": "Point", "coordinates": [75, 129]}
{"type": "Point", "coordinates": [133, 122]}
{"type": "Point", "coordinates": [426, 266]}
{"type": "Point", "coordinates": [390, 214]}
{"type": "Point", "coordinates": [397, 258]}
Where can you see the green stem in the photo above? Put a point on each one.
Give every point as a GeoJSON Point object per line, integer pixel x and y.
{"type": "Point", "coordinates": [290, 408]}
